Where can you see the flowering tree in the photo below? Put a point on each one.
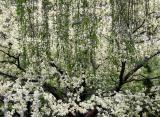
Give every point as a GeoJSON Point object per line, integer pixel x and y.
{"type": "Point", "coordinates": [79, 58]}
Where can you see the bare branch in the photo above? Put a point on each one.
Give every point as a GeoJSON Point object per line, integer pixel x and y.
{"type": "Point", "coordinates": [8, 54]}
{"type": "Point", "coordinates": [8, 75]}
{"type": "Point", "coordinates": [137, 28]}
{"type": "Point", "coordinates": [139, 65]}
{"type": "Point", "coordinates": [131, 72]}
{"type": "Point", "coordinates": [17, 58]}
{"type": "Point", "coordinates": [137, 80]}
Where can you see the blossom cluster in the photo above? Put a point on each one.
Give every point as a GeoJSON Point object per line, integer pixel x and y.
{"type": "Point", "coordinates": [57, 61]}
{"type": "Point", "coordinates": [44, 103]}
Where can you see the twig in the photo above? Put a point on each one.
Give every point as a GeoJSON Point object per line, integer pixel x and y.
{"type": "Point", "coordinates": [12, 62]}
{"type": "Point", "coordinates": [8, 75]}
{"type": "Point", "coordinates": [137, 28]}
{"type": "Point", "coordinates": [139, 65]}
{"type": "Point", "coordinates": [137, 80]}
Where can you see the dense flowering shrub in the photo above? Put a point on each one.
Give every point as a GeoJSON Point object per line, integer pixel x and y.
{"type": "Point", "coordinates": [79, 58]}
{"type": "Point", "coordinates": [16, 96]}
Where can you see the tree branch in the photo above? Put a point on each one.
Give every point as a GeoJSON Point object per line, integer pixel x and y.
{"type": "Point", "coordinates": [137, 28]}
{"type": "Point", "coordinates": [8, 75]}
{"type": "Point", "coordinates": [8, 54]}
{"type": "Point", "coordinates": [139, 65]}
{"type": "Point", "coordinates": [131, 72]}
{"type": "Point", "coordinates": [12, 62]}
{"type": "Point", "coordinates": [137, 80]}
{"type": "Point", "coordinates": [57, 68]}
{"type": "Point", "coordinates": [121, 80]}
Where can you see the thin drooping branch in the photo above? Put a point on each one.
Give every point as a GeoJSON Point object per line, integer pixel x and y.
{"type": "Point", "coordinates": [13, 63]}
{"type": "Point", "coordinates": [138, 27]}
{"type": "Point", "coordinates": [4, 61]}
{"type": "Point", "coordinates": [139, 65]}
{"type": "Point", "coordinates": [12, 77]}
{"type": "Point", "coordinates": [137, 80]}
{"type": "Point", "coordinates": [8, 54]}
{"type": "Point", "coordinates": [16, 58]}
{"type": "Point", "coordinates": [142, 24]}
